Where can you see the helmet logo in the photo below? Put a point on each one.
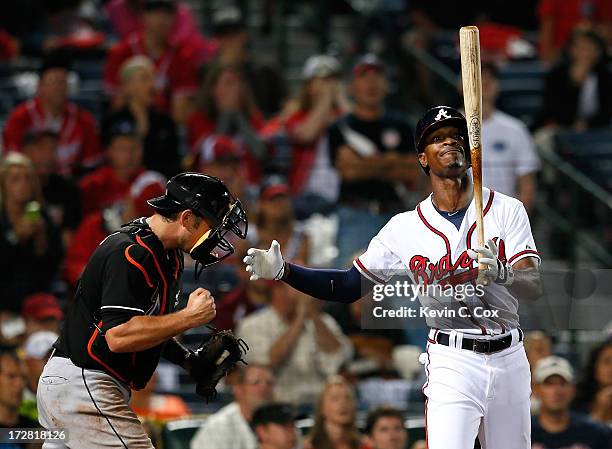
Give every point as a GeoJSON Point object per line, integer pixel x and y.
{"type": "Point", "coordinates": [442, 114]}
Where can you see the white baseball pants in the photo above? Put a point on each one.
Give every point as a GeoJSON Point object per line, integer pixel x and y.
{"type": "Point", "coordinates": [470, 394]}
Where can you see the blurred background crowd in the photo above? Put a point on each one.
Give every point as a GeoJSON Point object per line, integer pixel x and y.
{"type": "Point", "coordinates": [306, 110]}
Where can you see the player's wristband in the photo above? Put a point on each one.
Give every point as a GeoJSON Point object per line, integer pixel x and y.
{"type": "Point", "coordinates": [505, 274]}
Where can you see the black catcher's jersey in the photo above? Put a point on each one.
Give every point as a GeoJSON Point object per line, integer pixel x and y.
{"type": "Point", "coordinates": [129, 274]}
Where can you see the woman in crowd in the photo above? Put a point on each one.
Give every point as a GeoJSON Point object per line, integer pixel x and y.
{"type": "Point", "coordinates": [334, 426]}
{"type": "Point", "coordinates": [30, 244]}
{"type": "Point", "coordinates": [578, 89]}
{"type": "Point", "coordinates": [226, 107]}
{"type": "Point", "coordinates": [595, 390]}
{"type": "Point", "coordinates": [156, 129]}
{"type": "Point", "coordinates": [320, 101]}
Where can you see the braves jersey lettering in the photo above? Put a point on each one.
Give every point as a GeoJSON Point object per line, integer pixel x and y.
{"type": "Point", "coordinates": [426, 247]}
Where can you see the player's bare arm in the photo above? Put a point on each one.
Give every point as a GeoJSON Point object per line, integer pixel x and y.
{"type": "Point", "coordinates": [144, 332]}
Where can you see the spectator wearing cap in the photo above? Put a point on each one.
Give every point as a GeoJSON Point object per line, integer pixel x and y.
{"type": "Point", "coordinates": [385, 429]}
{"type": "Point", "coordinates": [30, 244]}
{"type": "Point", "coordinates": [226, 107]}
{"type": "Point", "coordinates": [274, 425]}
{"type": "Point", "coordinates": [373, 151]}
{"type": "Point", "coordinates": [36, 351]}
{"type": "Point", "coordinates": [156, 129]}
{"type": "Point", "coordinates": [78, 149]}
{"type": "Point", "coordinates": [511, 164]}
{"type": "Point", "coordinates": [222, 157]}
{"type": "Point", "coordinates": [125, 17]}
{"type": "Point", "coordinates": [319, 102]}
{"type": "Point", "coordinates": [111, 183]}
{"type": "Point", "coordinates": [61, 194]}
{"type": "Point", "coordinates": [595, 388]}
{"type": "Point", "coordinates": [302, 344]}
{"type": "Point", "coordinates": [266, 82]}
{"type": "Point", "coordinates": [276, 221]}
{"type": "Point", "coordinates": [175, 67]}
{"type": "Point", "coordinates": [556, 426]}
{"type": "Point", "coordinates": [42, 313]}
{"type": "Point", "coordinates": [229, 427]}
{"type": "Point", "coordinates": [96, 226]}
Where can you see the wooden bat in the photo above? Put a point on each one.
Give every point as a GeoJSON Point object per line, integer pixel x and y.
{"type": "Point", "coordinates": [469, 43]}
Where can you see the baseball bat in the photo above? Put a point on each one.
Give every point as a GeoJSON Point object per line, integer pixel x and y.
{"type": "Point", "coordinates": [469, 44]}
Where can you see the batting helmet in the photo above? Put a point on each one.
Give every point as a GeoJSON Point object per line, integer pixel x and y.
{"type": "Point", "coordinates": [437, 118]}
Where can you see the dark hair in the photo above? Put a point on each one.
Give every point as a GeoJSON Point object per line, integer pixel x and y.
{"type": "Point", "coordinates": [593, 36]}
{"type": "Point", "coordinates": [8, 351]}
{"type": "Point", "coordinates": [587, 388]}
{"type": "Point", "coordinates": [491, 68]}
{"type": "Point", "coordinates": [381, 412]}
{"type": "Point", "coordinates": [206, 100]}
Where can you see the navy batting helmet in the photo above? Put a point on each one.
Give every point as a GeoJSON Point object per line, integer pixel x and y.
{"type": "Point", "coordinates": [437, 118]}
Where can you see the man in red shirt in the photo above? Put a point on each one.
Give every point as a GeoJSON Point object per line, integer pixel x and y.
{"type": "Point", "coordinates": [79, 146]}
{"type": "Point", "coordinates": [110, 184]}
{"type": "Point", "coordinates": [175, 67]}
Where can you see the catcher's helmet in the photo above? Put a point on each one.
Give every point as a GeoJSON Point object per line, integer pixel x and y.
{"type": "Point", "coordinates": [208, 198]}
{"type": "Point", "coordinates": [437, 118]}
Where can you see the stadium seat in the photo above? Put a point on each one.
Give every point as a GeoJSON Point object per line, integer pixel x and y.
{"type": "Point", "coordinates": [178, 433]}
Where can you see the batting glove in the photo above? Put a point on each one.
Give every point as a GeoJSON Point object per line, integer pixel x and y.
{"type": "Point", "coordinates": [265, 264]}
{"type": "Point", "coordinates": [496, 270]}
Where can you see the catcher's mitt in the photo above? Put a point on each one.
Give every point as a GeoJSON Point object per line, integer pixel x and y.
{"type": "Point", "coordinates": [216, 357]}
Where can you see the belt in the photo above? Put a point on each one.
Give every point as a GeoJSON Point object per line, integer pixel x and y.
{"type": "Point", "coordinates": [481, 345]}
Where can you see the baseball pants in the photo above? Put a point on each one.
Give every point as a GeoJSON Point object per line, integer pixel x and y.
{"type": "Point", "coordinates": [92, 406]}
{"type": "Point", "coordinates": [470, 394]}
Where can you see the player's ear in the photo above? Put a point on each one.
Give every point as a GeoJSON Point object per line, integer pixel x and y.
{"type": "Point", "coordinates": [423, 160]}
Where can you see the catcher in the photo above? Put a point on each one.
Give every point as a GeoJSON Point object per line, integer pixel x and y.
{"type": "Point", "coordinates": [123, 317]}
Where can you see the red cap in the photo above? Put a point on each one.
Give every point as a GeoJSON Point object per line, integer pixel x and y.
{"type": "Point", "coordinates": [41, 306]}
{"type": "Point", "coordinates": [368, 62]}
{"type": "Point", "coordinates": [150, 184]}
{"type": "Point", "coordinates": [272, 186]}
{"type": "Point", "coordinates": [220, 148]}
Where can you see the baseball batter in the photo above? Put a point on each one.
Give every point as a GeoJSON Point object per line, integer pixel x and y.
{"type": "Point", "coordinates": [478, 380]}
{"type": "Point", "coordinates": [123, 317]}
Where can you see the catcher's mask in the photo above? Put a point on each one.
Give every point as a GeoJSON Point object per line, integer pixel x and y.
{"type": "Point", "coordinates": [209, 199]}
{"type": "Point", "coordinates": [439, 117]}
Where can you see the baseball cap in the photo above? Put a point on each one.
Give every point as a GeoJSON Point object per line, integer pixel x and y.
{"type": "Point", "coordinates": [553, 366]}
{"type": "Point", "coordinates": [273, 413]}
{"type": "Point", "coordinates": [118, 129]}
{"type": "Point", "coordinates": [227, 19]}
{"type": "Point", "coordinates": [41, 306]}
{"type": "Point", "coordinates": [58, 59]}
{"type": "Point", "coordinates": [219, 148]}
{"type": "Point", "coordinates": [167, 5]}
{"type": "Point", "coordinates": [320, 66]}
{"type": "Point", "coordinates": [273, 186]}
{"type": "Point", "coordinates": [147, 185]}
{"type": "Point", "coordinates": [38, 345]}
{"type": "Point", "coordinates": [368, 62]}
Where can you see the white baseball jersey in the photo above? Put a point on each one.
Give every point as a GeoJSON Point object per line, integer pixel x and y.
{"type": "Point", "coordinates": [430, 250]}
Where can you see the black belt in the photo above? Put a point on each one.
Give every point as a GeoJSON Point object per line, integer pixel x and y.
{"type": "Point", "coordinates": [481, 345]}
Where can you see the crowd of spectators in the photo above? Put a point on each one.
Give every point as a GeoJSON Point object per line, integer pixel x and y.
{"type": "Point", "coordinates": [172, 99]}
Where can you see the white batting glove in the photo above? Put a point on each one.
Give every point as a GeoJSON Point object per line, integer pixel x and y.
{"type": "Point", "coordinates": [496, 270]}
{"type": "Point", "coordinates": [265, 264]}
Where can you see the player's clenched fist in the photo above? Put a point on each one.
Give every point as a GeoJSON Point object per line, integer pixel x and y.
{"type": "Point", "coordinates": [265, 264]}
{"type": "Point", "coordinates": [495, 270]}
{"type": "Point", "coordinates": [201, 306]}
